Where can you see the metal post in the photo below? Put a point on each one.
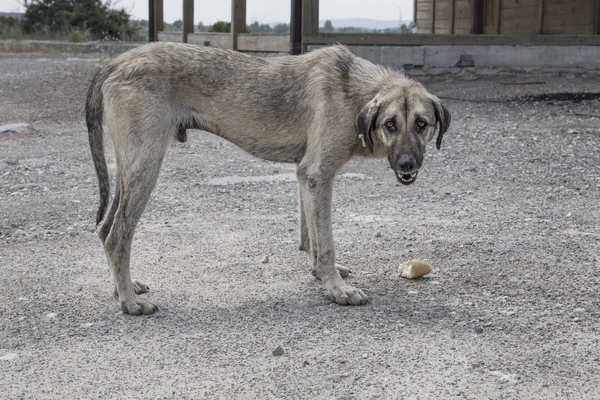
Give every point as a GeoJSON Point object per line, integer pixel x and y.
{"type": "Point", "coordinates": [151, 26]}
{"type": "Point", "coordinates": [415, 12]}
{"type": "Point", "coordinates": [452, 10]}
{"type": "Point", "coordinates": [158, 18]}
{"type": "Point", "coordinates": [540, 27]}
{"type": "Point", "coordinates": [310, 21]}
{"type": "Point", "coordinates": [188, 19]}
{"type": "Point", "coordinates": [499, 20]}
{"type": "Point", "coordinates": [238, 21]}
{"type": "Point", "coordinates": [596, 28]}
{"type": "Point", "coordinates": [296, 28]}
{"type": "Point", "coordinates": [433, 17]}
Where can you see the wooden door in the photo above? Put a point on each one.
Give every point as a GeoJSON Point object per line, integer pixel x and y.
{"type": "Point", "coordinates": [491, 15]}
{"type": "Point", "coordinates": [478, 16]}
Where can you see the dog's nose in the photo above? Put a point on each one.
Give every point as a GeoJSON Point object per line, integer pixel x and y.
{"type": "Point", "coordinates": [407, 163]}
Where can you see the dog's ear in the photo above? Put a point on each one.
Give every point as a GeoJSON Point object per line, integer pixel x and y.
{"type": "Point", "coordinates": [365, 122]}
{"type": "Point", "coordinates": [442, 116]}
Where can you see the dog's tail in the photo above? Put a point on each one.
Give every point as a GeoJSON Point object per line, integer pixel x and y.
{"type": "Point", "coordinates": [93, 117]}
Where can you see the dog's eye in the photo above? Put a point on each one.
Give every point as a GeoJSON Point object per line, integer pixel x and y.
{"type": "Point", "coordinates": [390, 124]}
{"type": "Point", "coordinates": [421, 124]}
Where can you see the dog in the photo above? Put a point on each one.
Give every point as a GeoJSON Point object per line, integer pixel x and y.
{"type": "Point", "coordinates": [317, 110]}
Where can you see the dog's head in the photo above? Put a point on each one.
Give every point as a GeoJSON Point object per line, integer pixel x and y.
{"type": "Point", "coordinates": [402, 119]}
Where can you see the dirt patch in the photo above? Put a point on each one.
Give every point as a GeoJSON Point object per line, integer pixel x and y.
{"type": "Point", "coordinates": [507, 213]}
{"type": "Point", "coordinates": [573, 97]}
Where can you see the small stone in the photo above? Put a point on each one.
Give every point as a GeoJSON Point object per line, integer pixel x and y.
{"type": "Point", "coordinates": [378, 234]}
{"type": "Point", "coordinates": [8, 357]}
{"type": "Point", "coordinates": [265, 260]}
{"type": "Point", "coordinates": [478, 330]}
{"type": "Point", "coordinates": [305, 363]}
{"type": "Point", "coordinates": [16, 128]}
{"type": "Point", "coordinates": [579, 310]}
{"type": "Point", "coordinates": [338, 377]}
{"type": "Point", "coordinates": [51, 315]}
{"type": "Point", "coordinates": [505, 378]}
{"type": "Point", "coordinates": [572, 131]}
{"type": "Point", "coordinates": [278, 351]}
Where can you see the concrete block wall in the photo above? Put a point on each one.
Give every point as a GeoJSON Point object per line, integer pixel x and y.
{"type": "Point", "coordinates": [397, 57]}
{"type": "Point", "coordinates": [222, 40]}
{"type": "Point", "coordinates": [518, 57]}
{"type": "Point", "coordinates": [170, 37]}
{"type": "Point", "coordinates": [279, 43]}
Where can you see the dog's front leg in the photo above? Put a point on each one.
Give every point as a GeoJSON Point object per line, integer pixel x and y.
{"type": "Point", "coordinates": [304, 240]}
{"type": "Point", "coordinates": [316, 193]}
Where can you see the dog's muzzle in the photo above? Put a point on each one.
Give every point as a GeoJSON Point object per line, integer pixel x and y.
{"type": "Point", "coordinates": [407, 179]}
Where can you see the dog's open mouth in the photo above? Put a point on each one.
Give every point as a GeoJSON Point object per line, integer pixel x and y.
{"type": "Point", "coordinates": [407, 179]}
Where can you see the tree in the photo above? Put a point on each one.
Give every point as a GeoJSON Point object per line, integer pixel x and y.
{"type": "Point", "coordinates": [62, 16]}
{"type": "Point", "coordinates": [257, 27]}
{"type": "Point", "coordinates": [281, 28]}
{"type": "Point", "coordinates": [220, 26]}
{"type": "Point", "coordinates": [178, 24]}
{"type": "Point", "coordinates": [201, 27]}
{"type": "Point", "coordinates": [328, 26]}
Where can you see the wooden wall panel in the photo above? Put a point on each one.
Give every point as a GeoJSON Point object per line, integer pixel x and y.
{"type": "Point", "coordinates": [521, 12]}
{"type": "Point", "coordinates": [507, 4]}
{"type": "Point", "coordinates": [519, 25]}
{"type": "Point", "coordinates": [425, 5]}
{"type": "Point", "coordinates": [464, 11]}
{"type": "Point", "coordinates": [424, 15]}
{"type": "Point", "coordinates": [519, 17]}
{"type": "Point", "coordinates": [568, 30]}
{"type": "Point", "coordinates": [569, 16]}
{"type": "Point", "coordinates": [516, 16]}
{"type": "Point", "coordinates": [571, 7]}
{"type": "Point", "coordinates": [443, 14]}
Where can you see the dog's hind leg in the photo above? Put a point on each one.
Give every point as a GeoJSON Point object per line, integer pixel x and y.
{"type": "Point", "coordinates": [107, 222]}
{"type": "Point", "coordinates": [138, 287]}
{"type": "Point", "coordinates": [138, 169]}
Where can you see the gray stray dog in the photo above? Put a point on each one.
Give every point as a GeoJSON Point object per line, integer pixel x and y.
{"type": "Point", "coordinates": [317, 110]}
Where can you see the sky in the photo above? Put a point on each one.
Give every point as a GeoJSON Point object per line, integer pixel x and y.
{"type": "Point", "coordinates": [210, 11]}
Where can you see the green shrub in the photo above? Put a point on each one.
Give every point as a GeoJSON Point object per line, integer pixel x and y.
{"type": "Point", "coordinates": [91, 19]}
{"type": "Point", "coordinates": [79, 35]}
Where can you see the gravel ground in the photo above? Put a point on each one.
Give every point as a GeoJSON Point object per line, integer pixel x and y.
{"type": "Point", "coordinates": [507, 213]}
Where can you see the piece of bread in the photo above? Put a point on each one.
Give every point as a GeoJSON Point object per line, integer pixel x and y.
{"type": "Point", "coordinates": [413, 269]}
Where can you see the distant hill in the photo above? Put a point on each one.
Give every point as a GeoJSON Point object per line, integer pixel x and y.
{"type": "Point", "coordinates": [14, 15]}
{"type": "Point", "coordinates": [365, 23]}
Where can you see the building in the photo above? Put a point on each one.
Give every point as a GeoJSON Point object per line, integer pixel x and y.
{"type": "Point", "coordinates": [508, 17]}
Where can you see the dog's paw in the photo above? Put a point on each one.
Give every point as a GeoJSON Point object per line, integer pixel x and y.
{"type": "Point", "coordinates": [344, 272]}
{"type": "Point", "coordinates": [138, 306]}
{"type": "Point", "coordinates": [138, 288]}
{"type": "Point", "coordinates": [345, 295]}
